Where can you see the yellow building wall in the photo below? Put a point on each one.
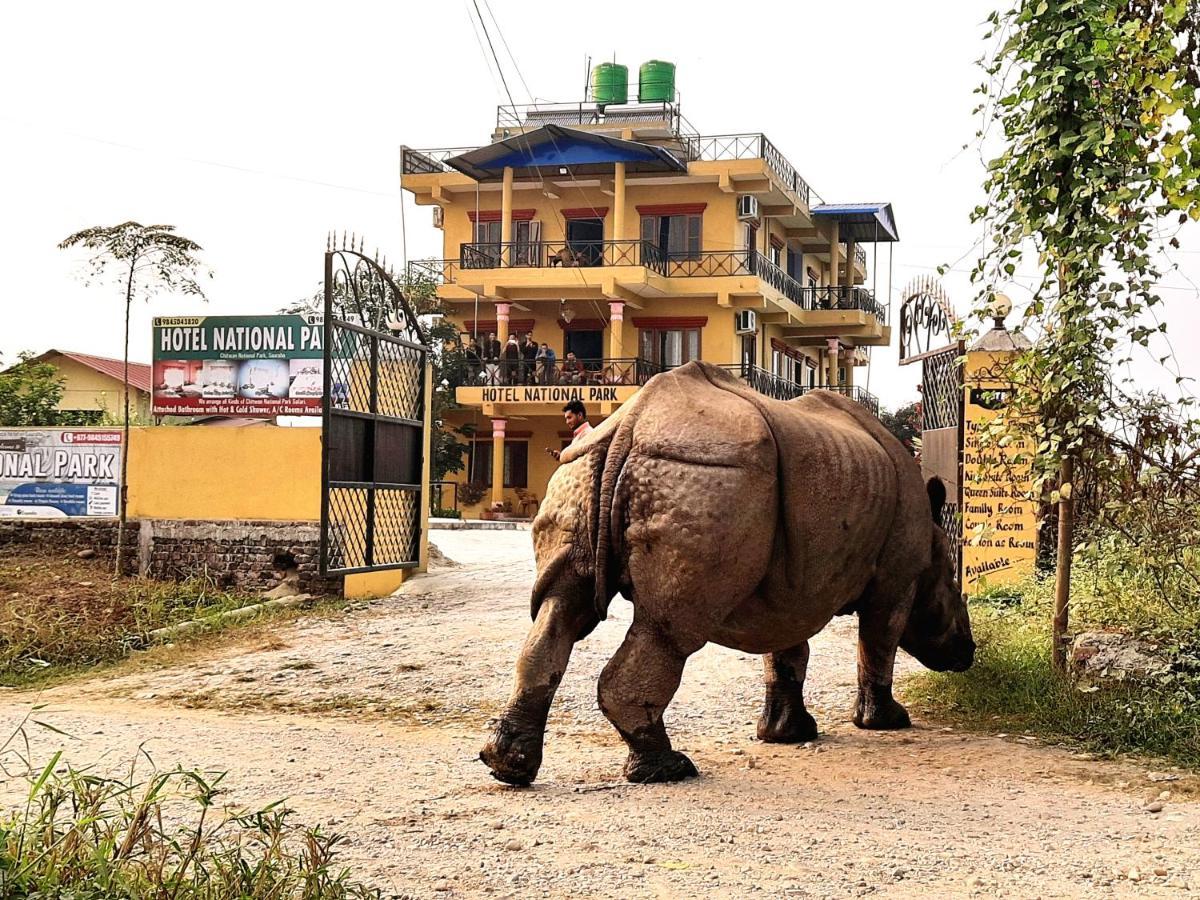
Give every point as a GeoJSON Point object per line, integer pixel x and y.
{"type": "Point", "coordinates": [196, 472]}
{"type": "Point", "coordinates": [86, 389]}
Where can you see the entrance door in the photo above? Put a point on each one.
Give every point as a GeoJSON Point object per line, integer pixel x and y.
{"type": "Point", "coordinates": [749, 352]}
{"type": "Point", "coordinates": [586, 345]}
{"type": "Point", "coordinates": [586, 238]}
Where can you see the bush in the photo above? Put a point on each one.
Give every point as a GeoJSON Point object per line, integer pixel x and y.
{"type": "Point", "coordinates": [86, 837]}
{"type": "Point", "coordinates": [445, 514]}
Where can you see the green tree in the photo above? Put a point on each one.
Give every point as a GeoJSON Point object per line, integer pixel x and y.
{"type": "Point", "coordinates": [146, 260]}
{"type": "Point", "coordinates": [29, 393]}
{"type": "Point", "coordinates": [904, 423]}
{"type": "Point", "coordinates": [1096, 106]}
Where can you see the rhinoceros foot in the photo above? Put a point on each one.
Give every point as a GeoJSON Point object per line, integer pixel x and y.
{"type": "Point", "coordinates": [658, 766]}
{"type": "Point", "coordinates": [513, 756]}
{"type": "Point", "coordinates": [783, 723]}
{"type": "Point", "coordinates": [881, 714]}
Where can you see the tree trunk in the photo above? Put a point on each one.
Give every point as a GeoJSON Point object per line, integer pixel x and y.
{"type": "Point", "coordinates": [1062, 573]}
{"type": "Point", "coordinates": [122, 487]}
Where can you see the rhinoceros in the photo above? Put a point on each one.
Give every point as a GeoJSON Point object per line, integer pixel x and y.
{"type": "Point", "coordinates": [729, 517]}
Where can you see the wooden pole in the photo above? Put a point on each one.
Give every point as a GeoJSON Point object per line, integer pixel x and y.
{"type": "Point", "coordinates": [1062, 573]}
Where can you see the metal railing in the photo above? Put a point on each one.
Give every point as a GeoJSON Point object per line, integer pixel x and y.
{"type": "Point", "coordinates": [752, 146]}
{"type": "Point", "coordinates": [712, 263]}
{"type": "Point", "coordinates": [780, 280]}
{"type": "Point", "coordinates": [562, 254]}
{"type": "Point", "coordinates": [844, 297]}
{"type": "Point", "coordinates": [860, 254]}
{"type": "Point", "coordinates": [439, 271]}
{"type": "Point", "coordinates": [428, 162]}
{"type": "Point", "coordinates": [779, 388]}
{"type": "Point", "coordinates": [630, 372]}
{"type": "Point", "coordinates": [527, 115]}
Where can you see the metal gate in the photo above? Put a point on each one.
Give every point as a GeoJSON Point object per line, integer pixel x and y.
{"type": "Point", "coordinates": [926, 320]}
{"type": "Point", "coordinates": [373, 447]}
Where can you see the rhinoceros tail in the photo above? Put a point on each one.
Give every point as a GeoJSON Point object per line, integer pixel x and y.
{"type": "Point", "coordinates": [606, 519]}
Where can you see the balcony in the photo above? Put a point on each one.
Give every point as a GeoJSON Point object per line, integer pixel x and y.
{"type": "Point", "coordinates": [521, 387]}
{"type": "Point", "coordinates": [599, 254]}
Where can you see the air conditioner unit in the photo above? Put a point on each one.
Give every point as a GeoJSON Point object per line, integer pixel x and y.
{"type": "Point", "coordinates": [439, 217]}
{"type": "Point", "coordinates": [747, 209]}
{"type": "Point", "coordinates": [745, 321]}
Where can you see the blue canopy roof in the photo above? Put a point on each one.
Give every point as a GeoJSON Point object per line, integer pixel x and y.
{"type": "Point", "coordinates": [553, 147]}
{"type": "Point", "coordinates": [863, 223]}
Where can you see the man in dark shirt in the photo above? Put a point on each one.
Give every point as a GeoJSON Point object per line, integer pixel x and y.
{"type": "Point", "coordinates": [529, 353]}
{"type": "Point", "coordinates": [491, 359]}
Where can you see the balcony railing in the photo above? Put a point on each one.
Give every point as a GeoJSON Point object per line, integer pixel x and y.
{"type": "Point", "coordinates": [752, 146]}
{"type": "Point", "coordinates": [632, 372]}
{"type": "Point", "coordinates": [562, 254]}
{"type": "Point", "coordinates": [439, 271]}
{"type": "Point", "coordinates": [535, 115]}
{"type": "Point", "coordinates": [845, 297]}
{"type": "Point", "coordinates": [779, 388]}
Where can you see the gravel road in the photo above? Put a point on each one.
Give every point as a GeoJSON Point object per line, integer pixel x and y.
{"type": "Point", "coordinates": [370, 724]}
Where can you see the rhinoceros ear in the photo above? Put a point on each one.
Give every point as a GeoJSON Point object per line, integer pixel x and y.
{"type": "Point", "coordinates": [937, 498]}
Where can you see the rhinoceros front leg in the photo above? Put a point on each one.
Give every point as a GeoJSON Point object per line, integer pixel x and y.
{"type": "Point", "coordinates": [635, 688]}
{"type": "Point", "coordinates": [514, 752]}
{"type": "Point", "coordinates": [880, 625]}
{"type": "Point", "coordinates": [784, 719]}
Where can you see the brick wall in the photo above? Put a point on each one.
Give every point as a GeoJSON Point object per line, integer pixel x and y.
{"type": "Point", "coordinates": [248, 556]}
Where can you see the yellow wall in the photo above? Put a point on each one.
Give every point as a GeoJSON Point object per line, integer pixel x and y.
{"type": "Point", "coordinates": [87, 389]}
{"type": "Point", "coordinates": [198, 472]}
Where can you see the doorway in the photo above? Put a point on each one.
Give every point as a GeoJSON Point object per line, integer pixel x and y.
{"type": "Point", "coordinates": [586, 239]}
{"type": "Point", "coordinates": [586, 345]}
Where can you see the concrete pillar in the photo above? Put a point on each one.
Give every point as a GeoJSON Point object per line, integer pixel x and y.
{"type": "Point", "coordinates": [832, 352]}
{"type": "Point", "coordinates": [498, 427]}
{"type": "Point", "coordinates": [506, 202]}
{"type": "Point", "coordinates": [851, 247]}
{"type": "Point", "coordinates": [850, 367]}
{"type": "Point", "coordinates": [502, 323]}
{"type": "Point", "coordinates": [834, 250]}
{"type": "Point", "coordinates": [616, 325]}
{"type": "Point", "coordinates": [618, 226]}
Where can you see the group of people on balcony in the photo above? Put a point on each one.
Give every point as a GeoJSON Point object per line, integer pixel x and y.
{"type": "Point", "coordinates": [523, 361]}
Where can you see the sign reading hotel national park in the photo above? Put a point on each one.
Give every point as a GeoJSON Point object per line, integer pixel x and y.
{"type": "Point", "coordinates": [59, 472]}
{"type": "Point", "coordinates": [257, 366]}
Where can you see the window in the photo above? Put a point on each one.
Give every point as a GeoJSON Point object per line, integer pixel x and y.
{"type": "Point", "coordinates": [668, 347]}
{"type": "Point", "coordinates": [777, 253]}
{"type": "Point", "coordinates": [516, 463]}
{"type": "Point", "coordinates": [678, 236]}
{"type": "Point", "coordinates": [526, 238]}
{"type": "Point", "coordinates": [810, 373]}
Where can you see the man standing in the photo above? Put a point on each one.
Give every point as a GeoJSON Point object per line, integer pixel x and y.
{"type": "Point", "coordinates": [575, 415]}
{"type": "Point", "coordinates": [491, 359]}
{"type": "Point", "coordinates": [529, 354]}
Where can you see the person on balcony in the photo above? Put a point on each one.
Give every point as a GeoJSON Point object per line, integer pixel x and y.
{"type": "Point", "coordinates": [529, 354]}
{"type": "Point", "coordinates": [511, 360]}
{"type": "Point", "coordinates": [474, 356]}
{"type": "Point", "coordinates": [575, 415]}
{"type": "Point", "coordinates": [573, 371]}
{"type": "Point", "coordinates": [491, 359]}
{"type": "Point", "coordinates": [545, 364]}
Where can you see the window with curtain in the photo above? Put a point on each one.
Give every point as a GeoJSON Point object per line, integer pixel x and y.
{"type": "Point", "coordinates": [678, 236]}
{"type": "Point", "coordinates": [669, 347]}
{"type": "Point", "coordinates": [516, 463]}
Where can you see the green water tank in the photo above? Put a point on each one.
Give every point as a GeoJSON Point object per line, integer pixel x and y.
{"type": "Point", "coordinates": [610, 84]}
{"type": "Point", "coordinates": [656, 82]}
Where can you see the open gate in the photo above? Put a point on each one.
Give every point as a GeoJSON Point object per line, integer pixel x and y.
{"type": "Point", "coordinates": [372, 455]}
{"type": "Point", "coordinates": [926, 336]}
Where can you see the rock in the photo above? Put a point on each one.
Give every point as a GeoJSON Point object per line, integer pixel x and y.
{"type": "Point", "coordinates": [1098, 656]}
{"type": "Point", "coordinates": [1133, 875]}
{"type": "Point", "coordinates": [443, 886]}
{"type": "Point", "coordinates": [1155, 807]}
{"type": "Point", "coordinates": [1160, 871]}
{"type": "Point", "coordinates": [86, 554]}
{"type": "Point", "coordinates": [513, 844]}
{"type": "Point", "coordinates": [439, 559]}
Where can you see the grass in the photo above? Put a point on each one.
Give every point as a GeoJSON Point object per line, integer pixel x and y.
{"type": "Point", "coordinates": [61, 614]}
{"type": "Point", "coordinates": [83, 836]}
{"type": "Point", "coordinates": [1013, 688]}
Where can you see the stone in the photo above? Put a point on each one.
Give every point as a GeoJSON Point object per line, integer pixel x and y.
{"type": "Point", "coordinates": [513, 844]}
{"type": "Point", "coordinates": [88, 553]}
{"type": "Point", "coordinates": [1100, 656]}
{"type": "Point", "coordinates": [1155, 807]}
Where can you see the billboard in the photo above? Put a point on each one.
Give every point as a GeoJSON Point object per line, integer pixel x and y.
{"type": "Point", "coordinates": [257, 366]}
{"type": "Point", "coordinates": [59, 472]}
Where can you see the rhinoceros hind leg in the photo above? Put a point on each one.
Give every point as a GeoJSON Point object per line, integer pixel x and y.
{"type": "Point", "coordinates": [514, 751]}
{"type": "Point", "coordinates": [635, 688]}
{"type": "Point", "coordinates": [784, 718]}
{"type": "Point", "coordinates": [880, 624]}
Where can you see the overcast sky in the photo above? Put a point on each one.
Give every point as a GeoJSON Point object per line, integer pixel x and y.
{"type": "Point", "coordinates": [256, 127]}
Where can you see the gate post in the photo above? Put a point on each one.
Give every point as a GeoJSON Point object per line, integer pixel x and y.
{"type": "Point", "coordinates": [426, 467]}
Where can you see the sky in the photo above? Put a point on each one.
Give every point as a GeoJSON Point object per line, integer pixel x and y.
{"type": "Point", "coordinates": [255, 128]}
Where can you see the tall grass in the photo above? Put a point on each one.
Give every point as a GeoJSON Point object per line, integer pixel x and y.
{"type": "Point", "coordinates": [1012, 686]}
{"type": "Point", "coordinates": [163, 835]}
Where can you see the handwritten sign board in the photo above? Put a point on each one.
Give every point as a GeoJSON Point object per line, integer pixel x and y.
{"type": "Point", "coordinates": [999, 515]}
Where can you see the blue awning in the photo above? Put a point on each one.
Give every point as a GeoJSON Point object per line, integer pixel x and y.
{"type": "Point", "coordinates": [863, 223]}
{"type": "Point", "coordinates": [550, 148]}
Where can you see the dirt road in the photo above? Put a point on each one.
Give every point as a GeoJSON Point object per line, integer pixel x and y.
{"type": "Point", "coordinates": [370, 725]}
